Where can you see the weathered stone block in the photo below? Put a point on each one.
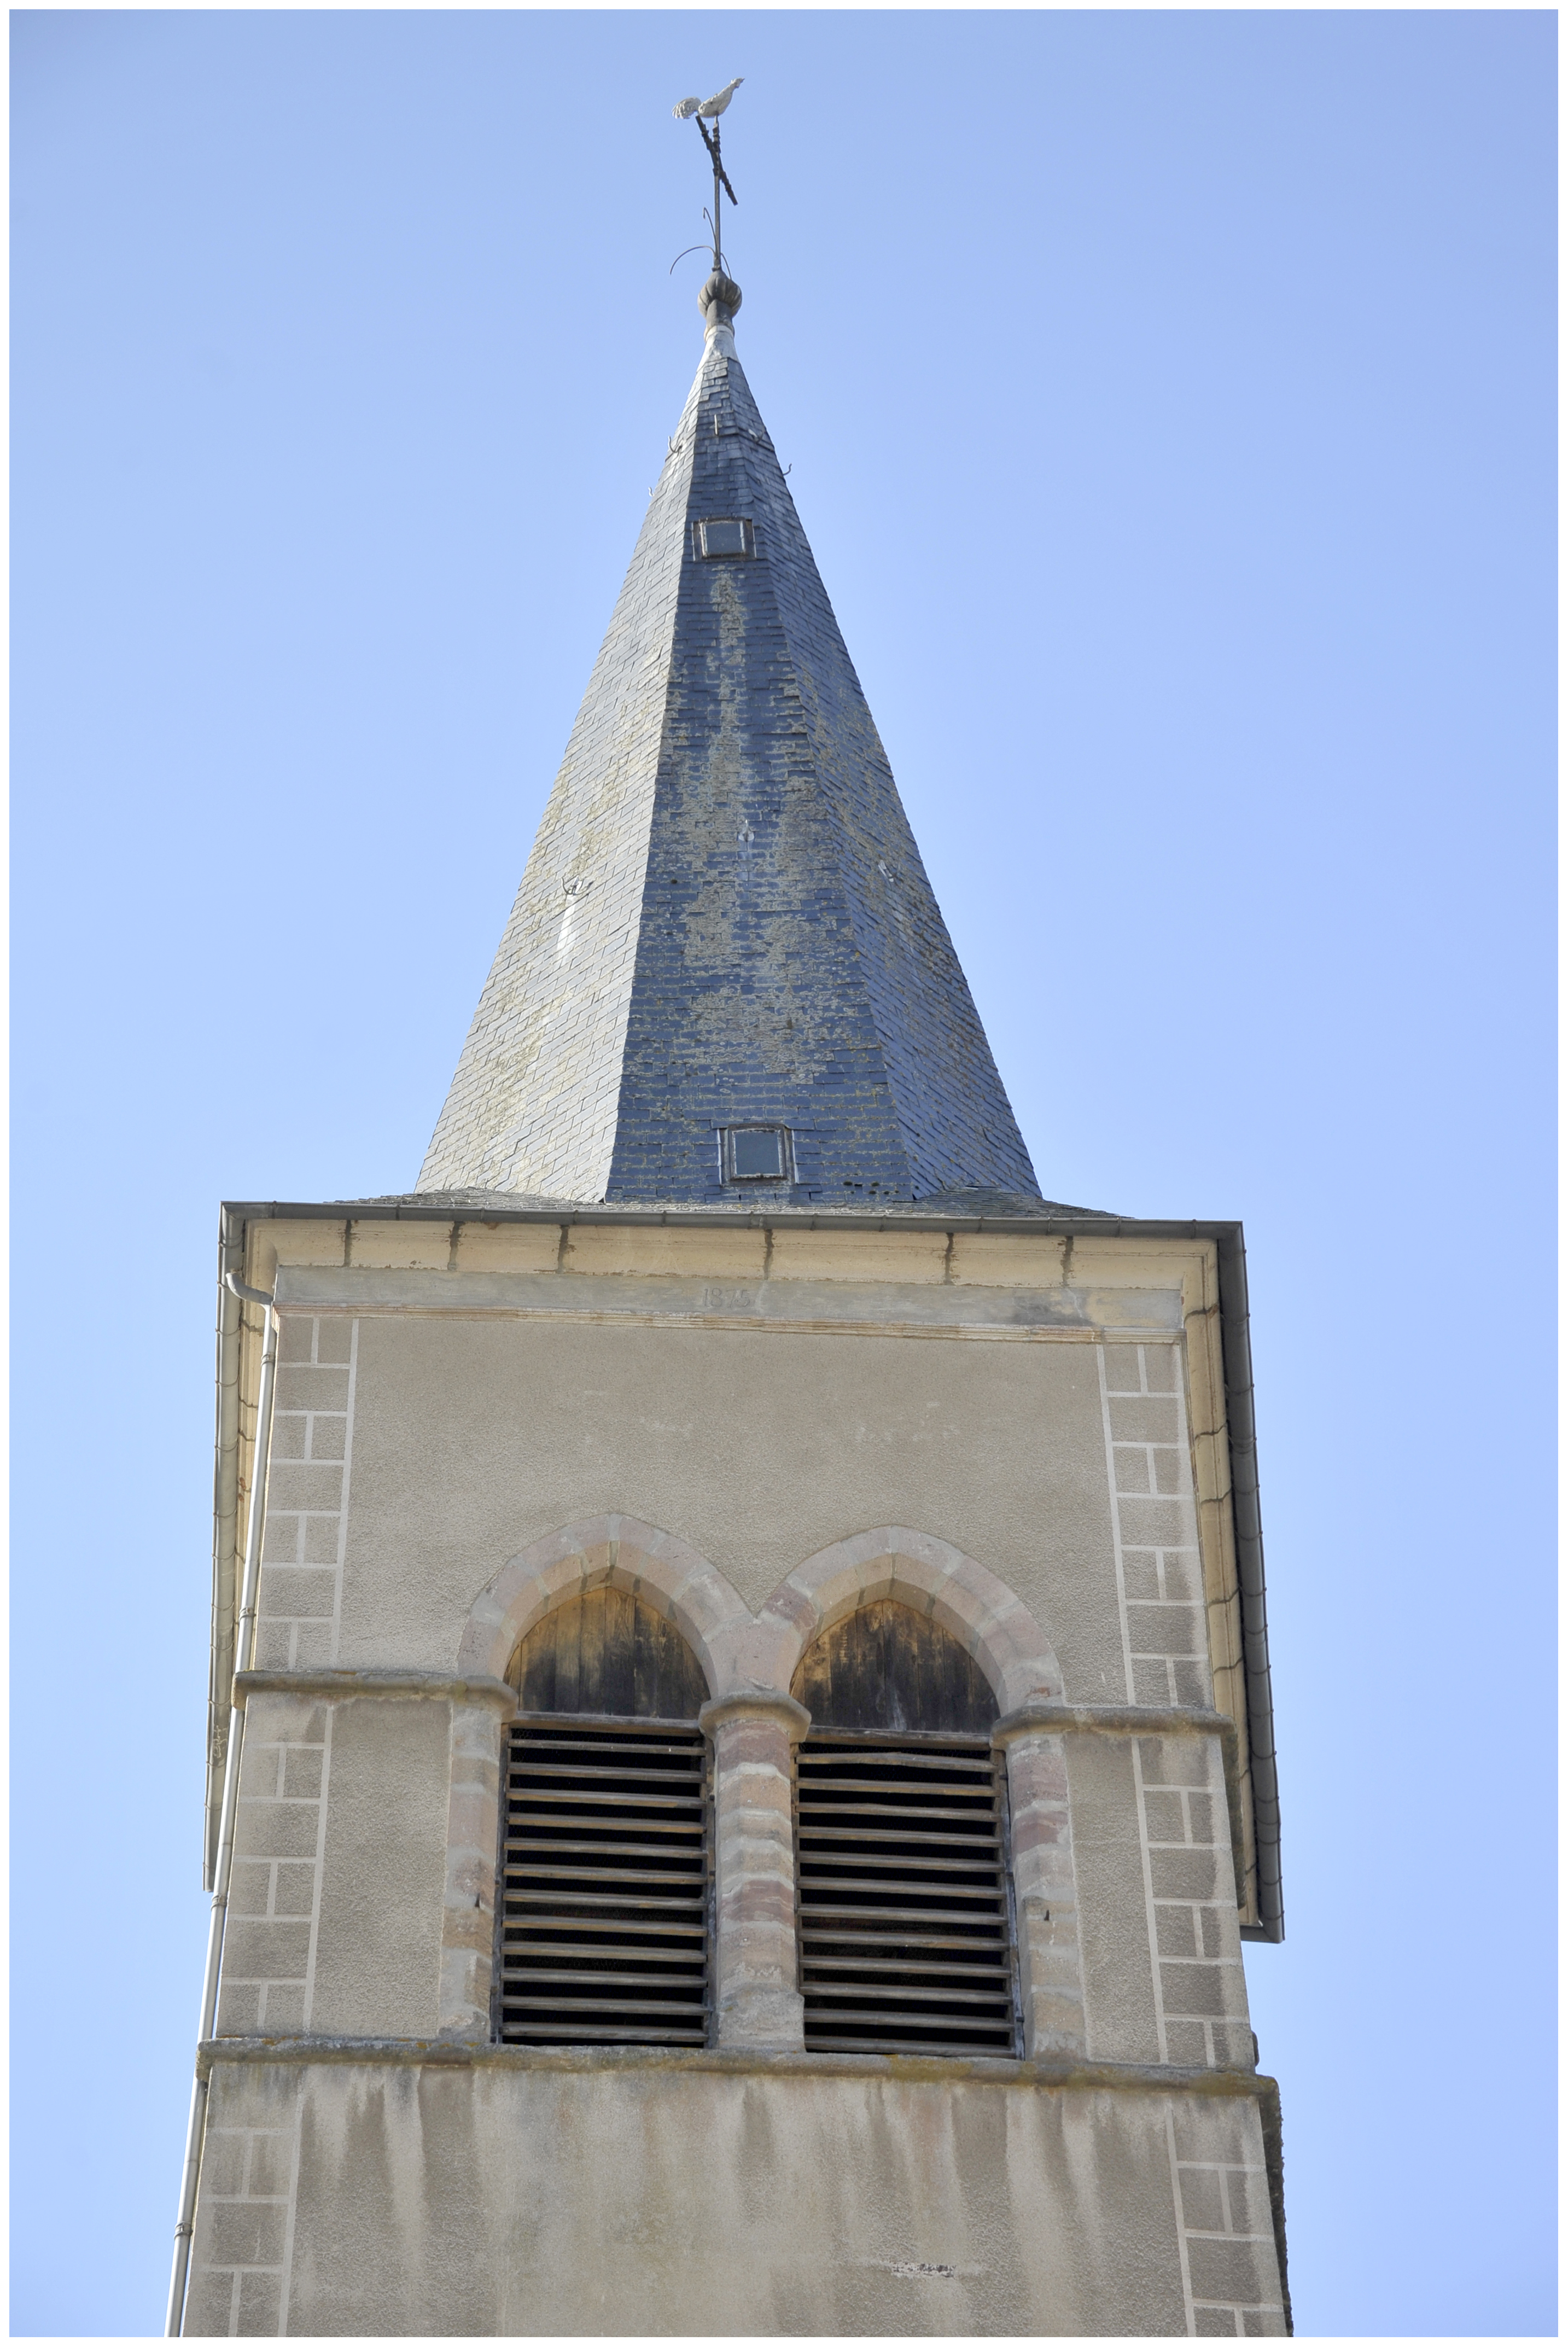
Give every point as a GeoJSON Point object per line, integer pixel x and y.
{"type": "Point", "coordinates": [508, 1247]}
{"type": "Point", "coordinates": [282, 2007]}
{"type": "Point", "coordinates": [400, 1246]}
{"type": "Point", "coordinates": [1167, 1822]}
{"type": "Point", "coordinates": [1193, 1687]}
{"type": "Point", "coordinates": [280, 1537]}
{"type": "Point", "coordinates": [319, 1537]}
{"type": "Point", "coordinates": [292, 1593]}
{"type": "Point", "coordinates": [1183, 1575]}
{"type": "Point", "coordinates": [1194, 1990]}
{"type": "Point", "coordinates": [334, 1338]}
{"type": "Point", "coordinates": [224, 2154]}
{"type": "Point", "coordinates": [275, 1719]}
{"type": "Point", "coordinates": [276, 1830]}
{"type": "Point", "coordinates": [1123, 1369]}
{"type": "Point", "coordinates": [247, 2233]}
{"type": "Point", "coordinates": [1171, 1470]}
{"type": "Point", "coordinates": [329, 1434]}
{"type": "Point", "coordinates": [239, 2008]}
{"type": "Point", "coordinates": [294, 1242]}
{"type": "Point", "coordinates": [266, 1948]}
{"type": "Point", "coordinates": [321, 1386]}
{"type": "Point", "coordinates": [1176, 1931]}
{"type": "Point", "coordinates": [274, 1646]}
{"type": "Point", "coordinates": [999, 1259]}
{"type": "Point", "coordinates": [289, 1430]}
{"type": "Point", "coordinates": [1173, 1761]}
{"type": "Point", "coordinates": [1247, 2189]}
{"type": "Point", "coordinates": [1186, 2045]}
{"type": "Point", "coordinates": [1227, 2270]}
{"type": "Point", "coordinates": [1164, 1629]}
{"type": "Point", "coordinates": [1203, 2203]}
{"type": "Point", "coordinates": [260, 1770]}
{"type": "Point", "coordinates": [1141, 1574]}
{"type": "Point", "coordinates": [904, 1256]}
{"type": "Point", "coordinates": [1186, 1874]}
{"type": "Point", "coordinates": [1233, 2038]}
{"type": "Point", "coordinates": [304, 1484]}
{"type": "Point", "coordinates": [1156, 1523]}
{"type": "Point", "coordinates": [1132, 1473]}
{"type": "Point", "coordinates": [208, 2304]}
{"type": "Point", "coordinates": [247, 1888]}
{"type": "Point", "coordinates": [261, 2295]}
{"type": "Point", "coordinates": [1144, 1418]}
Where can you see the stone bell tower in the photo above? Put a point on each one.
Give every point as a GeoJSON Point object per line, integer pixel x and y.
{"type": "Point", "coordinates": [742, 1758]}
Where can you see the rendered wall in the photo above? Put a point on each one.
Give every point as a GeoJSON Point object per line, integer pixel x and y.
{"type": "Point", "coordinates": [762, 1402]}
{"type": "Point", "coordinates": [650, 2195]}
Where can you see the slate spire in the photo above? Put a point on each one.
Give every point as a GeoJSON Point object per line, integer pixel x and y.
{"type": "Point", "coordinates": [725, 924]}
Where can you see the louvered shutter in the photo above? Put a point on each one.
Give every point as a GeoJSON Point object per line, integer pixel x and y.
{"type": "Point", "coordinates": [905, 1907]}
{"type": "Point", "coordinates": [605, 1885]}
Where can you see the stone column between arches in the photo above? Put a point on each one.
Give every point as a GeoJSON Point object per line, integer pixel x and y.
{"type": "Point", "coordinates": [1045, 1895]}
{"type": "Point", "coordinates": [756, 1979]}
{"type": "Point", "coordinates": [477, 1776]}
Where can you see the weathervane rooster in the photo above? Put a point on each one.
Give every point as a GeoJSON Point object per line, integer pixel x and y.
{"type": "Point", "coordinates": [706, 110]}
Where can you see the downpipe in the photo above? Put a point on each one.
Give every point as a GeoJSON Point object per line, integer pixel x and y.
{"type": "Point", "coordinates": [244, 1651]}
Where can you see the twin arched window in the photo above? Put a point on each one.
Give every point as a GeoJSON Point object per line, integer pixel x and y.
{"type": "Point", "coordinates": [604, 1912]}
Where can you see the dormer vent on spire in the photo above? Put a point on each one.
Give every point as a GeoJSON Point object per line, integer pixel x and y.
{"type": "Point", "coordinates": [725, 973]}
{"type": "Point", "coordinates": [732, 535]}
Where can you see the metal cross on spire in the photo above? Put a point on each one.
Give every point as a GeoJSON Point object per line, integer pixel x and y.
{"type": "Point", "coordinates": [706, 110]}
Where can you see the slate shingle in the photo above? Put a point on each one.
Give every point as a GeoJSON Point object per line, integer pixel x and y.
{"type": "Point", "coordinates": [726, 918]}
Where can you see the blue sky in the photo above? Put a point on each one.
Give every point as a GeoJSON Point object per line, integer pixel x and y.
{"type": "Point", "coordinates": [1170, 401]}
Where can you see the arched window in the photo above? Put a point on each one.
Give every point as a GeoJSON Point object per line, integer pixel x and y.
{"type": "Point", "coordinates": [905, 1903]}
{"type": "Point", "coordinates": [605, 1868]}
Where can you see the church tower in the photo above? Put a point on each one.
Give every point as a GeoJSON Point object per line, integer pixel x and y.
{"type": "Point", "coordinates": [741, 1754]}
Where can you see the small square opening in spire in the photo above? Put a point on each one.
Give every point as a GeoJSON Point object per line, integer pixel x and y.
{"type": "Point", "coordinates": [757, 1153]}
{"type": "Point", "coordinates": [723, 536]}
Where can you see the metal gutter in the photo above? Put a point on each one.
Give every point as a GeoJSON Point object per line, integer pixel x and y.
{"type": "Point", "coordinates": [1235, 1350]}
{"type": "Point", "coordinates": [1068, 1222]}
{"type": "Point", "coordinates": [225, 1534]}
{"type": "Point", "coordinates": [1235, 1346]}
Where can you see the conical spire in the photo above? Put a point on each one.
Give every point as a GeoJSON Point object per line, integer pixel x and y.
{"type": "Point", "coordinates": [725, 925]}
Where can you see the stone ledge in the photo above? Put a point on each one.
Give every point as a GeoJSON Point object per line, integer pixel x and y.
{"type": "Point", "coordinates": [1109, 1719]}
{"type": "Point", "coordinates": [1129, 1719]}
{"type": "Point", "coordinates": [434, 1687]}
{"type": "Point", "coordinates": [442, 2053]}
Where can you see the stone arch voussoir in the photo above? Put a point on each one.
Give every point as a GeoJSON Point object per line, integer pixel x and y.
{"type": "Point", "coordinates": [619, 1551]}
{"type": "Point", "coordinates": [934, 1577]}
